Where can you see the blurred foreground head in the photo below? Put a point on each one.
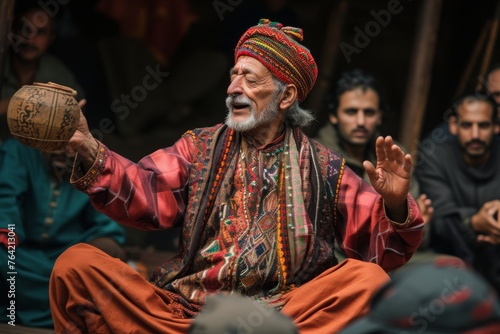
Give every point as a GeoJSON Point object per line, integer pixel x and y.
{"type": "Point", "coordinates": [232, 314]}
{"type": "Point", "coordinates": [439, 297]}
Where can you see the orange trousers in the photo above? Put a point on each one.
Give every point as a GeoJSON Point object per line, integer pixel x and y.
{"type": "Point", "coordinates": [91, 292]}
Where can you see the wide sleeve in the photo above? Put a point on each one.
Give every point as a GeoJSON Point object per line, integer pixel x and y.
{"type": "Point", "coordinates": [151, 194]}
{"type": "Point", "coordinates": [365, 231]}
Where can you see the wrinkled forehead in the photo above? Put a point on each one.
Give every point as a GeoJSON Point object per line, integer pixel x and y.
{"type": "Point", "coordinates": [247, 64]}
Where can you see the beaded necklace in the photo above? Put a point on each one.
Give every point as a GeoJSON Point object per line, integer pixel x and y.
{"type": "Point", "coordinates": [222, 163]}
{"type": "Point", "coordinates": [280, 233]}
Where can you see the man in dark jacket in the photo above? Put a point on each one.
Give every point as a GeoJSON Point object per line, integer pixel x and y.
{"type": "Point", "coordinates": [462, 180]}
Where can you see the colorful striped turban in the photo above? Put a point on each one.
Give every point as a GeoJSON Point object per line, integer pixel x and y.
{"type": "Point", "coordinates": [278, 48]}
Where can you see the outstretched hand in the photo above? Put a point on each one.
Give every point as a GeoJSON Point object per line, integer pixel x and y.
{"type": "Point", "coordinates": [391, 176]}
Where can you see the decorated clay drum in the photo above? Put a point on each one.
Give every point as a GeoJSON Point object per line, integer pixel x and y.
{"type": "Point", "coordinates": [43, 115]}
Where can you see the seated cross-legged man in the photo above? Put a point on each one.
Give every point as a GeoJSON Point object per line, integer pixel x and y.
{"type": "Point", "coordinates": [261, 208]}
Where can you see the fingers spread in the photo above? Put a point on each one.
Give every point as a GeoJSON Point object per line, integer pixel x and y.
{"type": "Point", "coordinates": [408, 163]}
{"type": "Point", "coordinates": [370, 170]}
{"type": "Point", "coordinates": [380, 150]}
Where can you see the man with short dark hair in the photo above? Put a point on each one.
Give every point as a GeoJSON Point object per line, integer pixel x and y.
{"type": "Point", "coordinates": [33, 32]}
{"type": "Point", "coordinates": [41, 232]}
{"type": "Point", "coordinates": [493, 85]}
{"type": "Point", "coordinates": [355, 112]}
{"type": "Point", "coordinates": [461, 177]}
{"type": "Point", "coordinates": [356, 109]}
{"type": "Point", "coordinates": [260, 204]}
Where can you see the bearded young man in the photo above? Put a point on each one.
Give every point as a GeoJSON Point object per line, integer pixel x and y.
{"type": "Point", "coordinates": [260, 204]}
{"type": "Point", "coordinates": [461, 178]}
{"type": "Point", "coordinates": [356, 107]}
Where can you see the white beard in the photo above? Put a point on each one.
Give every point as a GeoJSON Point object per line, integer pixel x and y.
{"type": "Point", "coordinates": [253, 121]}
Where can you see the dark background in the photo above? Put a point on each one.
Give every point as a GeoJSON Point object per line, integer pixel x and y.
{"type": "Point", "coordinates": [110, 54]}
{"type": "Point", "coordinates": [218, 25]}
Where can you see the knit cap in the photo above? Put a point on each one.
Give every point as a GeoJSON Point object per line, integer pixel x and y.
{"type": "Point", "coordinates": [278, 48]}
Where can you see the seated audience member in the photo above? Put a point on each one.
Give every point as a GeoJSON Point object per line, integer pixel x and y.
{"type": "Point", "coordinates": [462, 179]}
{"type": "Point", "coordinates": [356, 110]}
{"type": "Point", "coordinates": [439, 297]}
{"type": "Point", "coordinates": [261, 208]}
{"type": "Point", "coordinates": [27, 61]}
{"type": "Point", "coordinates": [356, 107]}
{"type": "Point", "coordinates": [42, 214]}
{"type": "Point", "coordinates": [490, 86]}
{"type": "Point", "coordinates": [493, 86]}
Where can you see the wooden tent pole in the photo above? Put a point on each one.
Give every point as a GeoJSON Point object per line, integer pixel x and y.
{"type": "Point", "coordinates": [490, 46]}
{"type": "Point", "coordinates": [420, 75]}
{"type": "Point", "coordinates": [473, 59]}
{"type": "Point", "coordinates": [330, 54]}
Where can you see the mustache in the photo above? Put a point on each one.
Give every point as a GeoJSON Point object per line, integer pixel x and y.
{"type": "Point", "coordinates": [475, 141]}
{"type": "Point", "coordinates": [239, 99]}
{"type": "Point", "coordinates": [362, 128]}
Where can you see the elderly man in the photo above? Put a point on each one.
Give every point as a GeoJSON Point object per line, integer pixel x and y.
{"type": "Point", "coordinates": [260, 204]}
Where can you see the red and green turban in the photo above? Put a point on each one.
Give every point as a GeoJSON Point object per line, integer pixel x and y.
{"type": "Point", "coordinates": [279, 49]}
